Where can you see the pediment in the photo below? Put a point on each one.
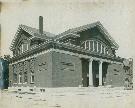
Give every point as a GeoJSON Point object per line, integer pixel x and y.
{"type": "Point", "coordinates": [21, 37]}
{"type": "Point", "coordinates": [94, 34]}
{"type": "Point", "coordinates": [31, 34]}
{"type": "Point", "coordinates": [99, 32]}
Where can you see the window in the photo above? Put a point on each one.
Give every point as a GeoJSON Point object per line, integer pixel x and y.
{"type": "Point", "coordinates": [106, 51]}
{"type": "Point", "coordinates": [42, 66]}
{"type": "Point", "coordinates": [14, 74]}
{"type": "Point", "coordinates": [22, 47]}
{"type": "Point", "coordinates": [102, 49]}
{"type": "Point", "coordinates": [20, 77]}
{"type": "Point", "coordinates": [99, 47]}
{"type": "Point", "coordinates": [96, 46]}
{"type": "Point", "coordinates": [91, 46]}
{"type": "Point", "coordinates": [87, 45]}
{"type": "Point", "coordinates": [15, 77]}
{"type": "Point", "coordinates": [25, 77]}
{"type": "Point", "coordinates": [32, 79]}
{"type": "Point", "coordinates": [25, 47]}
{"type": "Point", "coordinates": [19, 50]}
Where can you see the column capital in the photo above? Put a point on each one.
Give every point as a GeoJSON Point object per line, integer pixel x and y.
{"type": "Point", "coordinates": [100, 61]}
{"type": "Point", "coordinates": [90, 60]}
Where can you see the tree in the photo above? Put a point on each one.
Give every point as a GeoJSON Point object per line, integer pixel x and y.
{"type": "Point", "coordinates": [7, 57]}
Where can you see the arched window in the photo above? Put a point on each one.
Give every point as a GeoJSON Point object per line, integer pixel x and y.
{"type": "Point", "coordinates": [95, 46]}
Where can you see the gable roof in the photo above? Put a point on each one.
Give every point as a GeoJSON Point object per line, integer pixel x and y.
{"type": "Point", "coordinates": [89, 26]}
{"type": "Point", "coordinates": [46, 35]}
{"type": "Point", "coordinates": [33, 32]}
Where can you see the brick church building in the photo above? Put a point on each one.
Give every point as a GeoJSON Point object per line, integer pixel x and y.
{"type": "Point", "coordinates": [80, 56]}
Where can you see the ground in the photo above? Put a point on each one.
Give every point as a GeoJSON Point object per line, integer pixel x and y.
{"type": "Point", "coordinates": [89, 97]}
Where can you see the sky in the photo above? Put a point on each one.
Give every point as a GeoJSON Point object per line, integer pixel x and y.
{"type": "Point", "coordinates": [117, 16]}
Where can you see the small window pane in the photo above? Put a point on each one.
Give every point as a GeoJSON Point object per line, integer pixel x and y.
{"type": "Point", "coordinates": [32, 78]}
{"type": "Point", "coordinates": [91, 45]}
{"type": "Point", "coordinates": [25, 46]}
{"type": "Point", "coordinates": [20, 78]}
{"type": "Point", "coordinates": [102, 49]}
{"type": "Point", "coordinates": [87, 45]}
{"type": "Point", "coordinates": [99, 47]}
{"type": "Point", "coordinates": [95, 46]}
{"type": "Point", "coordinates": [106, 50]}
{"type": "Point", "coordinates": [15, 77]}
{"type": "Point", "coordinates": [25, 77]}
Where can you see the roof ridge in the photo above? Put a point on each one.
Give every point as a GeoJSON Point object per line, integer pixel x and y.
{"type": "Point", "coordinates": [36, 30]}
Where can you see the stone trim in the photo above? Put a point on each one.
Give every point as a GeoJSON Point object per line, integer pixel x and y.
{"type": "Point", "coordinates": [67, 52]}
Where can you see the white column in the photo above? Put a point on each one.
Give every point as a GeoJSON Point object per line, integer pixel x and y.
{"type": "Point", "coordinates": [100, 73]}
{"type": "Point", "coordinates": [101, 48]}
{"type": "Point", "coordinates": [97, 46]}
{"type": "Point", "coordinates": [90, 73]}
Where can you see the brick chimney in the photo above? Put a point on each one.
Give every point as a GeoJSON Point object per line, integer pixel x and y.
{"type": "Point", "coordinates": [40, 24]}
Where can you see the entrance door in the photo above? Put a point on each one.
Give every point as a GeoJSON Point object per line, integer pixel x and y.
{"type": "Point", "coordinates": [85, 73]}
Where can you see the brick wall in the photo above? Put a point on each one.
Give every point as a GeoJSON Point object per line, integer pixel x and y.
{"type": "Point", "coordinates": [67, 70]}
{"type": "Point", "coordinates": [44, 70]}
{"type": "Point", "coordinates": [115, 75]}
{"type": "Point", "coordinates": [10, 75]}
{"type": "Point", "coordinates": [40, 67]}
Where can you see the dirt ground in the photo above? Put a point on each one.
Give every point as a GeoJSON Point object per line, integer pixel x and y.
{"type": "Point", "coordinates": [66, 98]}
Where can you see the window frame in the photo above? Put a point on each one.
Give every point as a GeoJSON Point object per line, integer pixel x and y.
{"type": "Point", "coordinates": [96, 46]}
{"type": "Point", "coordinates": [20, 78]}
{"type": "Point", "coordinates": [32, 78]}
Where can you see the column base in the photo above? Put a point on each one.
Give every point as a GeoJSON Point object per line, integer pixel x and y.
{"type": "Point", "coordinates": [101, 86]}
{"type": "Point", "coordinates": [91, 86]}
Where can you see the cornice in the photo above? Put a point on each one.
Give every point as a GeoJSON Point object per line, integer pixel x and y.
{"type": "Point", "coordinates": [66, 47]}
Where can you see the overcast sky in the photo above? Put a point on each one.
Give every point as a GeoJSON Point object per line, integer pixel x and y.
{"type": "Point", "coordinates": [117, 16]}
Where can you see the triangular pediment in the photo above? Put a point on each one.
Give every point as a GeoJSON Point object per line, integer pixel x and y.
{"type": "Point", "coordinates": [30, 33]}
{"type": "Point", "coordinates": [20, 36]}
{"type": "Point", "coordinates": [77, 31]}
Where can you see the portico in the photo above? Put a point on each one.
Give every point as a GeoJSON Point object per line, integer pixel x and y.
{"type": "Point", "coordinates": [98, 75]}
{"type": "Point", "coordinates": [95, 71]}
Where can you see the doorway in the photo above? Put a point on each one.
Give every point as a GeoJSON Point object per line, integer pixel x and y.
{"type": "Point", "coordinates": [85, 72]}
{"type": "Point", "coordinates": [95, 71]}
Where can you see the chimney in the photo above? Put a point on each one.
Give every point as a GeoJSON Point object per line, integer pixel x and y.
{"type": "Point", "coordinates": [40, 24]}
